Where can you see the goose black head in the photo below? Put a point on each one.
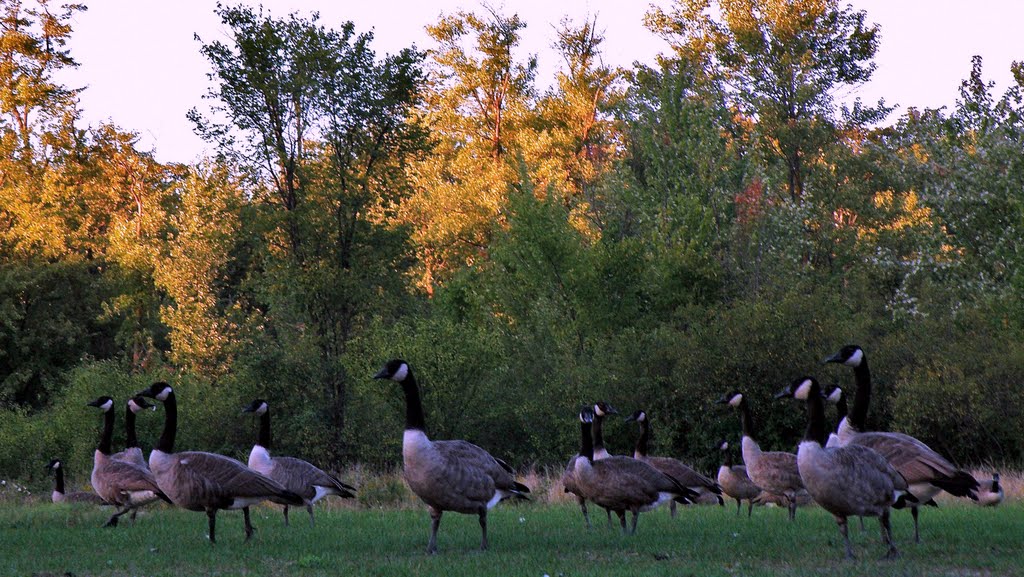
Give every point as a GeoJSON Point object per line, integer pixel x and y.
{"type": "Point", "coordinates": [586, 415]}
{"type": "Point", "coordinates": [800, 389]}
{"type": "Point", "coordinates": [259, 406]}
{"type": "Point", "coordinates": [139, 403]}
{"type": "Point", "coordinates": [158, 390]}
{"type": "Point", "coordinates": [396, 369]}
{"type": "Point", "coordinates": [104, 403]}
{"type": "Point", "coordinates": [850, 355]}
{"type": "Point", "coordinates": [638, 416]}
{"type": "Point", "coordinates": [602, 408]}
{"type": "Point", "coordinates": [733, 399]}
{"type": "Point", "coordinates": [54, 464]}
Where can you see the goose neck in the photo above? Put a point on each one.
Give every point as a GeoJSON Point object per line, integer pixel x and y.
{"type": "Point", "coordinates": [107, 436]}
{"type": "Point", "coordinates": [131, 438]}
{"type": "Point", "coordinates": [264, 433]}
{"type": "Point", "coordinates": [746, 421]}
{"type": "Point", "coordinates": [59, 483]}
{"type": "Point", "coordinates": [586, 441]}
{"type": "Point", "coordinates": [598, 433]}
{"type": "Point", "coordinates": [815, 418]}
{"type": "Point", "coordinates": [862, 397]}
{"type": "Point", "coordinates": [165, 443]}
{"type": "Point", "coordinates": [414, 418]}
{"type": "Point", "coordinates": [644, 440]}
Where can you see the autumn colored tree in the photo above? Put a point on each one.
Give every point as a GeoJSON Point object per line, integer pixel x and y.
{"type": "Point", "coordinates": [782, 62]}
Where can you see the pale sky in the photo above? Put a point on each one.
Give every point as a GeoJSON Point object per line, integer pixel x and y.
{"type": "Point", "coordinates": [143, 71]}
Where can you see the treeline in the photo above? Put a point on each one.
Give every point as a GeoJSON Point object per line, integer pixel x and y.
{"type": "Point", "coordinates": [654, 237]}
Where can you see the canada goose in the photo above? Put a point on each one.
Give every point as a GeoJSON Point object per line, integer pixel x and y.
{"type": "Point", "coordinates": [447, 475]}
{"type": "Point", "coordinates": [847, 480]}
{"type": "Point", "coordinates": [296, 475]}
{"type": "Point", "coordinates": [926, 471]}
{"type": "Point", "coordinates": [674, 468]}
{"type": "Point", "coordinates": [571, 486]}
{"type": "Point", "coordinates": [623, 483]}
{"type": "Point", "coordinates": [990, 493]}
{"type": "Point", "coordinates": [132, 453]}
{"type": "Point", "coordinates": [60, 496]}
{"type": "Point", "coordinates": [734, 480]}
{"type": "Point", "coordinates": [774, 471]}
{"type": "Point", "coordinates": [200, 481]}
{"type": "Point", "coordinates": [125, 485]}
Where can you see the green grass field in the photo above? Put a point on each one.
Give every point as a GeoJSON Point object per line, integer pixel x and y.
{"type": "Point", "coordinates": [530, 540]}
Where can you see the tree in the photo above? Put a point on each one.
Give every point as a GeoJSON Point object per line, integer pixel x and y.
{"type": "Point", "coordinates": [478, 109]}
{"type": "Point", "coordinates": [324, 132]}
{"type": "Point", "coordinates": [782, 62]}
{"type": "Point", "coordinates": [578, 116]}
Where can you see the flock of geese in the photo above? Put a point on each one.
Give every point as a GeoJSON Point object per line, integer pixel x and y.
{"type": "Point", "coordinates": [850, 472]}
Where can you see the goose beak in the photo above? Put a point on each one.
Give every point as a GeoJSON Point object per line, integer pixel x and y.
{"type": "Point", "coordinates": [783, 394]}
{"type": "Point", "coordinates": [95, 403]}
{"type": "Point", "coordinates": [382, 374]}
{"type": "Point", "coordinates": [836, 358]}
{"type": "Point", "coordinates": [630, 418]}
{"type": "Point", "coordinates": [723, 401]}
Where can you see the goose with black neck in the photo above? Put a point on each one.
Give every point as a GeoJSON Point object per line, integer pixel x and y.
{"type": "Point", "coordinates": [201, 481]}
{"type": "Point", "coordinates": [925, 470]}
{"type": "Point", "coordinates": [126, 485]}
{"type": "Point", "coordinates": [450, 475]}
{"type": "Point", "coordinates": [299, 476]}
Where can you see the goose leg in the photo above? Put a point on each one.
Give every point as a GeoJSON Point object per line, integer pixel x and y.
{"type": "Point", "coordinates": [112, 521]}
{"type": "Point", "coordinates": [672, 509]}
{"type": "Point", "coordinates": [636, 516]}
{"type": "Point", "coordinates": [883, 520]}
{"type": "Point", "coordinates": [583, 507]}
{"type": "Point", "coordinates": [286, 515]}
{"type": "Point", "coordinates": [132, 517]}
{"type": "Point", "coordinates": [739, 505]}
{"type": "Point", "coordinates": [312, 522]}
{"type": "Point", "coordinates": [435, 522]}
{"type": "Point", "coordinates": [609, 513]}
{"type": "Point", "coordinates": [622, 518]}
{"type": "Point", "coordinates": [917, 533]}
{"type": "Point", "coordinates": [483, 528]}
{"type": "Point", "coordinates": [248, 524]}
{"type": "Point", "coordinates": [792, 508]}
{"type": "Point", "coordinates": [211, 514]}
{"type": "Point", "coordinates": [750, 508]}
{"type": "Point", "coordinates": [844, 531]}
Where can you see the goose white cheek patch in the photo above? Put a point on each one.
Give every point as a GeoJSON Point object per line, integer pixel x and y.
{"type": "Point", "coordinates": [164, 394]}
{"type": "Point", "coordinates": [803, 390]}
{"type": "Point", "coordinates": [401, 373]}
{"type": "Point", "coordinates": [855, 359]}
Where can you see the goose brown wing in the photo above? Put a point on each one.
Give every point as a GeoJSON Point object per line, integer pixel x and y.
{"type": "Point", "coordinates": [913, 459]}
{"type": "Point", "coordinates": [128, 477]}
{"type": "Point", "coordinates": [222, 478]}
{"type": "Point", "coordinates": [683, 473]}
{"type": "Point", "coordinates": [302, 476]}
{"type": "Point", "coordinates": [474, 460]}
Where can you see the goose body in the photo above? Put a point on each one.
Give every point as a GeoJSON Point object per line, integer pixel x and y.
{"type": "Point", "coordinates": [926, 471]}
{"type": "Point", "coordinates": [125, 485]}
{"type": "Point", "coordinates": [773, 471]}
{"type": "Point", "coordinates": [735, 482]}
{"type": "Point", "coordinates": [847, 480]}
{"type": "Point", "coordinates": [201, 481]}
{"type": "Point", "coordinates": [59, 495]}
{"type": "Point", "coordinates": [296, 475]}
{"type": "Point", "coordinates": [706, 489]}
{"type": "Point", "coordinates": [451, 475]}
